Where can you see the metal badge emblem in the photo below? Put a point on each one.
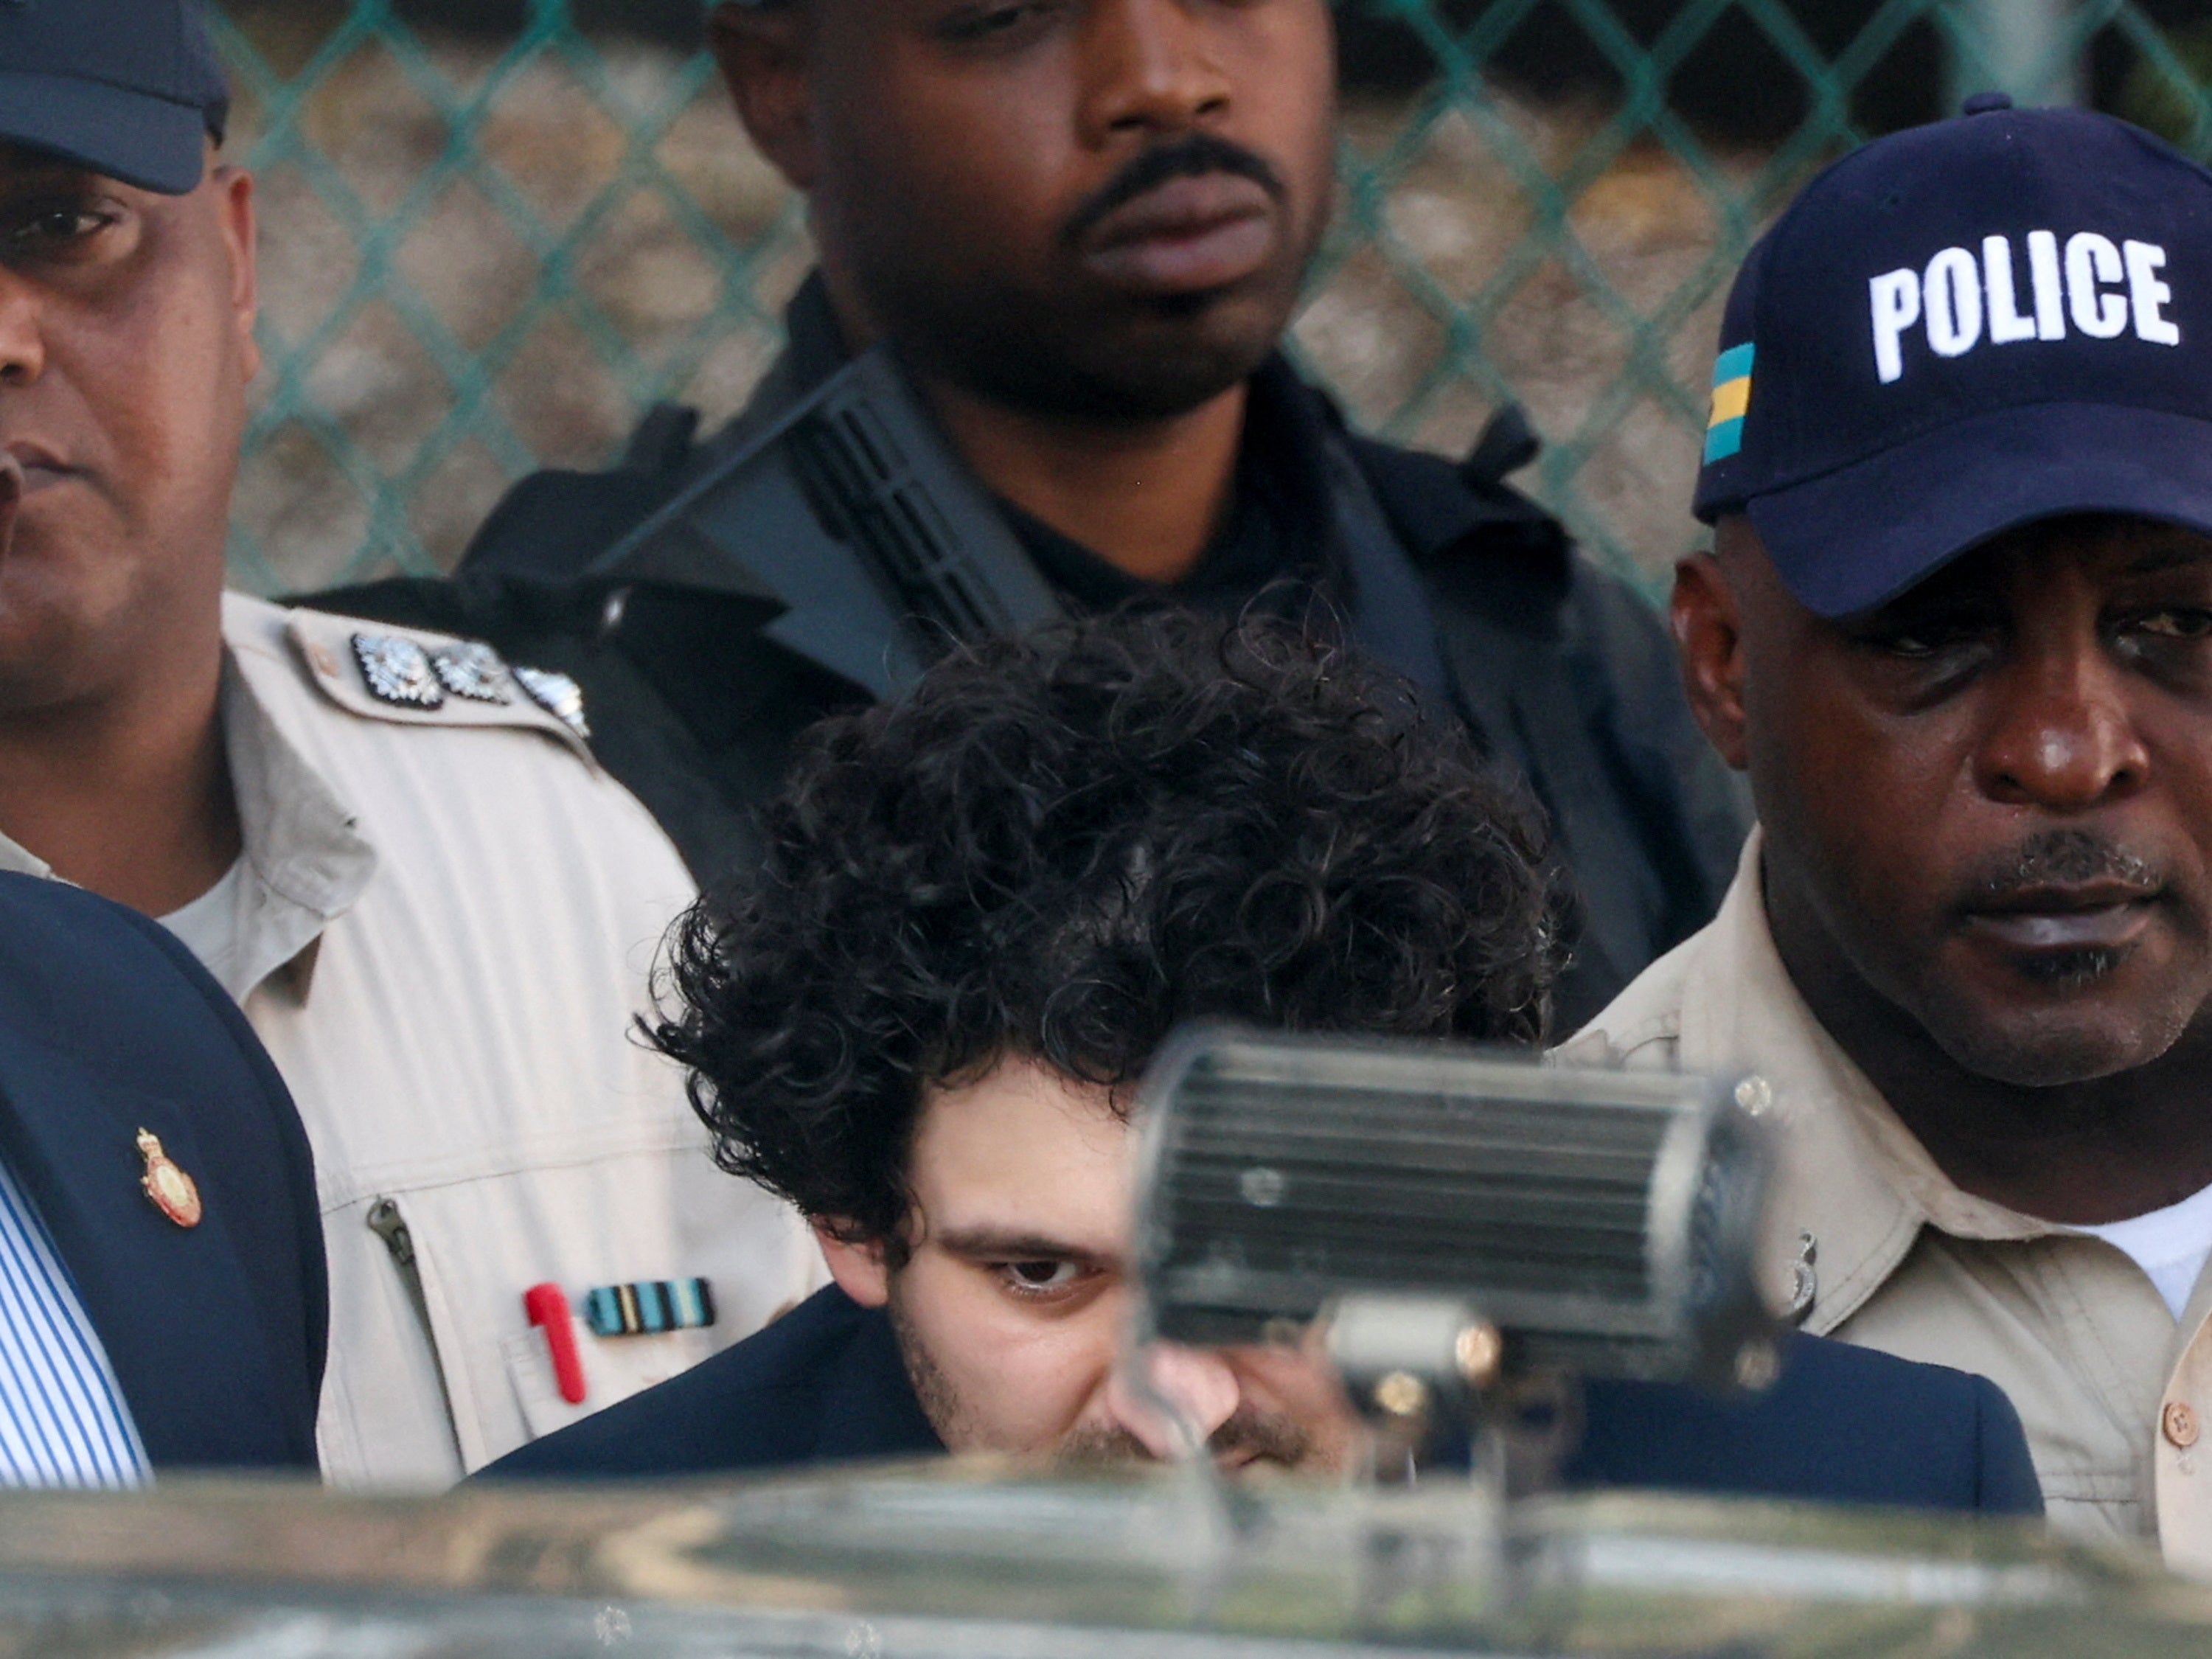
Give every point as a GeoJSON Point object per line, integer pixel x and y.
{"type": "Point", "coordinates": [557, 695]}
{"type": "Point", "coordinates": [473, 670]}
{"type": "Point", "coordinates": [173, 1193]}
{"type": "Point", "coordinates": [1804, 1279]}
{"type": "Point", "coordinates": [398, 672]}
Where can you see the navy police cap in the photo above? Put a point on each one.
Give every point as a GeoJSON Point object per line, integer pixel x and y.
{"type": "Point", "coordinates": [1961, 329]}
{"type": "Point", "coordinates": [129, 88]}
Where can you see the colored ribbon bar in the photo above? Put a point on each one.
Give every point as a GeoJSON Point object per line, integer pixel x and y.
{"type": "Point", "coordinates": [649, 1307]}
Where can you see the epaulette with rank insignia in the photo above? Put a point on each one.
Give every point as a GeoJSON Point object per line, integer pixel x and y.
{"type": "Point", "coordinates": [414, 678]}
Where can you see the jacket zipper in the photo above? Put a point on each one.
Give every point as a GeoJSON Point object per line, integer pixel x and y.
{"type": "Point", "coordinates": [386, 1221]}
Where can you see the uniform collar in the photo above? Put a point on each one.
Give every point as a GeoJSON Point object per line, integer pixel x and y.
{"type": "Point", "coordinates": [1853, 1177]}
{"type": "Point", "coordinates": [20, 861]}
{"type": "Point", "coordinates": [1278, 543]}
{"type": "Point", "coordinates": [306, 856]}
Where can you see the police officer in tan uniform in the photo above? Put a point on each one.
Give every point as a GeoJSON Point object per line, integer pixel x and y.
{"type": "Point", "coordinates": [395, 850]}
{"type": "Point", "coordinates": [1958, 629]}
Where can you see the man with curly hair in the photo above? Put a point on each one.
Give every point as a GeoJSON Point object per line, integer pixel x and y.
{"type": "Point", "coordinates": [979, 912]}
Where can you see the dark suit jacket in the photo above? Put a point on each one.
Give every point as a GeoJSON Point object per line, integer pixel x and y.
{"type": "Point", "coordinates": [826, 1384]}
{"type": "Point", "coordinates": [109, 1026]}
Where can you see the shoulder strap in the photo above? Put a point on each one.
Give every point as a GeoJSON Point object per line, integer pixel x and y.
{"type": "Point", "coordinates": [1504, 579]}
{"type": "Point", "coordinates": [1520, 687]}
{"type": "Point", "coordinates": [1390, 616]}
{"type": "Point", "coordinates": [381, 672]}
{"type": "Point", "coordinates": [1441, 507]}
{"type": "Point", "coordinates": [853, 514]}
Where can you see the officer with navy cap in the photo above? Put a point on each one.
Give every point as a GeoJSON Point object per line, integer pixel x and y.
{"type": "Point", "coordinates": [1957, 628]}
{"type": "Point", "coordinates": [393, 849]}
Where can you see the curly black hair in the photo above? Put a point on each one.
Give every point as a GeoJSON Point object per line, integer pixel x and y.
{"type": "Point", "coordinates": [1059, 847]}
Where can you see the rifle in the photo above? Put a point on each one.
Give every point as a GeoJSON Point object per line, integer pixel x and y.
{"type": "Point", "coordinates": [852, 513]}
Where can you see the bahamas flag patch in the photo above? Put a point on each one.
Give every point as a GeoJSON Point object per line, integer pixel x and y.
{"type": "Point", "coordinates": [1731, 401]}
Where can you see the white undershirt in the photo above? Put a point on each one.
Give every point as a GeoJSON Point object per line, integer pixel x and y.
{"type": "Point", "coordinates": [2171, 1244]}
{"type": "Point", "coordinates": [209, 925]}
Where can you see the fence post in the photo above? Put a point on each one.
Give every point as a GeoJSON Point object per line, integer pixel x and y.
{"type": "Point", "coordinates": [2023, 47]}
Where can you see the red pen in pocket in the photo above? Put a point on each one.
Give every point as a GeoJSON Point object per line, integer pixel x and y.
{"type": "Point", "coordinates": [548, 1308]}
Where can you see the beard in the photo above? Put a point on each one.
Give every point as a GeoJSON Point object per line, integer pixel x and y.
{"type": "Point", "coordinates": [2051, 1051]}
{"type": "Point", "coordinates": [1069, 347]}
{"type": "Point", "coordinates": [940, 1402]}
{"type": "Point", "coordinates": [1107, 357]}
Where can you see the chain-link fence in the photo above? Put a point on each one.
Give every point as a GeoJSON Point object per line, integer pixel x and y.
{"type": "Point", "coordinates": [494, 231]}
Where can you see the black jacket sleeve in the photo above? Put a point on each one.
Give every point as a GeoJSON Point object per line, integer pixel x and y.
{"type": "Point", "coordinates": [1841, 1425]}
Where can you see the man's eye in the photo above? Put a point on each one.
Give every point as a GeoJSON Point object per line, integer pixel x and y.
{"type": "Point", "coordinates": [990, 22]}
{"type": "Point", "coordinates": [1031, 1278]}
{"type": "Point", "coordinates": [1925, 637]}
{"type": "Point", "coordinates": [53, 226]}
{"type": "Point", "coordinates": [1912, 642]}
{"type": "Point", "coordinates": [2178, 624]}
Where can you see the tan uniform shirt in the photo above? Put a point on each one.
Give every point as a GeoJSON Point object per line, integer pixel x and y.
{"type": "Point", "coordinates": [1894, 1256]}
{"type": "Point", "coordinates": [445, 923]}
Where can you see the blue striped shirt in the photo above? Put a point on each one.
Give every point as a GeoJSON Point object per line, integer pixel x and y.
{"type": "Point", "coordinates": [63, 1420]}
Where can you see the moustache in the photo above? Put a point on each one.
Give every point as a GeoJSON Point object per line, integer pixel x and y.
{"type": "Point", "coordinates": [2059, 858]}
{"type": "Point", "coordinates": [1268, 1436]}
{"type": "Point", "coordinates": [1193, 157]}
